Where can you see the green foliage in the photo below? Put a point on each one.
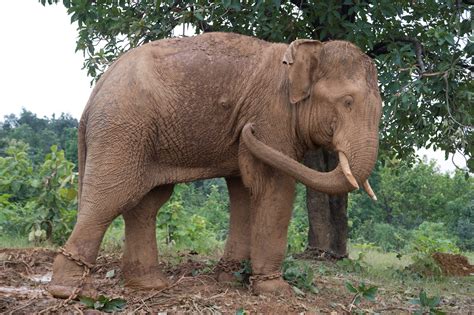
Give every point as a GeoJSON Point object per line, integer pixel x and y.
{"type": "Point", "coordinates": [241, 311]}
{"type": "Point", "coordinates": [430, 238]}
{"type": "Point", "coordinates": [298, 228]}
{"type": "Point", "coordinates": [361, 291]}
{"type": "Point", "coordinates": [299, 274]}
{"type": "Point", "coordinates": [40, 134]}
{"type": "Point", "coordinates": [244, 273]}
{"type": "Point", "coordinates": [39, 202]}
{"type": "Point", "coordinates": [428, 305]}
{"type": "Point", "coordinates": [408, 196]}
{"type": "Point", "coordinates": [353, 265]}
{"type": "Point", "coordinates": [181, 229]}
{"type": "Point", "coordinates": [422, 50]}
{"type": "Point", "coordinates": [385, 236]}
{"type": "Point", "coordinates": [104, 304]}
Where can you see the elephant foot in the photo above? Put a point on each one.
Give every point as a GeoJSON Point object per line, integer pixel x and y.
{"type": "Point", "coordinates": [150, 280]}
{"type": "Point", "coordinates": [273, 286]}
{"type": "Point", "coordinates": [70, 280]}
{"type": "Point", "coordinates": [64, 292]}
{"type": "Point", "coordinates": [226, 270]}
{"type": "Point", "coordinates": [223, 276]}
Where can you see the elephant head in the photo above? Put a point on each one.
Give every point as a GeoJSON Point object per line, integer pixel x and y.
{"type": "Point", "coordinates": [333, 86]}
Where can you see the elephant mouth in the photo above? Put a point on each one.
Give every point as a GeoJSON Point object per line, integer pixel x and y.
{"type": "Point", "coordinates": [338, 181]}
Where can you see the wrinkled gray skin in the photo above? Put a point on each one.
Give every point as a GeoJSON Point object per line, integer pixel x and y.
{"type": "Point", "coordinates": [217, 105]}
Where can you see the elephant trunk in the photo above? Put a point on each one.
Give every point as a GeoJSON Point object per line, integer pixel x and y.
{"type": "Point", "coordinates": [361, 161]}
{"type": "Point", "coordinates": [333, 182]}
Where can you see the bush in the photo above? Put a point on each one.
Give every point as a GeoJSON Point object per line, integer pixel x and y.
{"type": "Point", "coordinates": [182, 230]}
{"type": "Point", "coordinates": [383, 235]}
{"type": "Point", "coordinates": [38, 202]}
{"type": "Point", "coordinates": [431, 237]}
{"type": "Point", "coordinates": [428, 239]}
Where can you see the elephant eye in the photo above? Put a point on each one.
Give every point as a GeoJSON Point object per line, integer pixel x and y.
{"type": "Point", "coordinates": [348, 101]}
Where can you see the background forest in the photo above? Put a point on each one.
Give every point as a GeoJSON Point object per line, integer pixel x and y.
{"type": "Point", "coordinates": [419, 207]}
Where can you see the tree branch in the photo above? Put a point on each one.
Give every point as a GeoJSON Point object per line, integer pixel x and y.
{"type": "Point", "coordinates": [381, 48]}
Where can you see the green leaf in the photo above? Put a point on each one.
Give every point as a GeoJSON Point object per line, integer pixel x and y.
{"type": "Point", "coordinates": [110, 273]}
{"type": "Point", "coordinates": [87, 301]}
{"type": "Point", "coordinates": [357, 299]}
{"type": "Point", "coordinates": [241, 311]}
{"type": "Point", "coordinates": [423, 298]}
{"type": "Point", "coordinates": [434, 301]}
{"type": "Point", "coordinates": [370, 293]}
{"type": "Point", "coordinates": [114, 305]}
{"type": "Point", "coordinates": [98, 305]}
{"type": "Point", "coordinates": [351, 288]}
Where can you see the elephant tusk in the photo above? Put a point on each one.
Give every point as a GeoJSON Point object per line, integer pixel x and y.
{"type": "Point", "coordinates": [369, 190]}
{"type": "Point", "coordinates": [347, 170]}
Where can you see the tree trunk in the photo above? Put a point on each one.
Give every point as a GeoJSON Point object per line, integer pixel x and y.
{"type": "Point", "coordinates": [328, 229]}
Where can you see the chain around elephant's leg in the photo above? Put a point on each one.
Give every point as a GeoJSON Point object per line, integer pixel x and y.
{"type": "Point", "coordinates": [272, 212]}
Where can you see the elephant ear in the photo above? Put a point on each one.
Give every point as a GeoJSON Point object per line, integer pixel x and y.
{"type": "Point", "coordinates": [302, 59]}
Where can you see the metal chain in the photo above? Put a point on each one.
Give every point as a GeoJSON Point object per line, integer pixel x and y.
{"type": "Point", "coordinates": [228, 266]}
{"type": "Point", "coordinates": [326, 253]}
{"type": "Point", "coordinates": [78, 288]}
{"type": "Point", "coordinates": [256, 278]}
{"type": "Point", "coordinates": [75, 259]}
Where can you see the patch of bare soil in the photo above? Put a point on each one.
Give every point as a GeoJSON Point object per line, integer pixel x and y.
{"type": "Point", "coordinates": [25, 273]}
{"type": "Point", "coordinates": [453, 264]}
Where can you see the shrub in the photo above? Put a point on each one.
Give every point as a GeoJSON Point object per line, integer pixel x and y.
{"type": "Point", "coordinates": [387, 237]}
{"type": "Point", "coordinates": [183, 230]}
{"type": "Point", "coordinates": [428, 239]}
{"type": "Point", "coordinates": [38, 202]}
{"type": "Point", "coordinates": [431, 237]}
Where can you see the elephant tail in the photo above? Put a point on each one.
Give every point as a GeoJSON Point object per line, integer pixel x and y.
{"type": "Point", "coordinates": [82, 153]}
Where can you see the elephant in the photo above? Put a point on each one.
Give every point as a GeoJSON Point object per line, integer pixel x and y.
{"type": "Point", "coordinates": [217, 105]}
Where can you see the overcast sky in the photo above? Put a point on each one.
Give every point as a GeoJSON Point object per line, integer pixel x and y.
{"type": "Point", "coordinates": [41, 72]}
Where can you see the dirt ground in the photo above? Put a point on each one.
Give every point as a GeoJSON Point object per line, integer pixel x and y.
{"type": "Point", "coordinates": [453, 264]}
{"type": "Point", "coordinates": [25, 273]}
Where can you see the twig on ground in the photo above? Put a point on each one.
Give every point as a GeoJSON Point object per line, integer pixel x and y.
{"type": "Point", "coordinates": [154, 294]}
{"type": "Point", "coordinates": [217, 295]}
{"type": "Point", "coordinates": [392, 308]}
{"type": "Point", "coordinates": [78, 309]}
{"type": "Point", "coordinates": [22, 307]}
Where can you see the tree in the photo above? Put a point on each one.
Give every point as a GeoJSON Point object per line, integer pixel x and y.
{"type": "Point", "coordinates": [422, 51]}
{"type": "Point", "coordinates": [41, 134]}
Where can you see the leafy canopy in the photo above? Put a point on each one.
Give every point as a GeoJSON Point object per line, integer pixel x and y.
{"type": "Point", "coordinates": [422, 50]}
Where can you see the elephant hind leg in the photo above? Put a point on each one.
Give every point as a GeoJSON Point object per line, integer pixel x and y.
{"type": "Point", "coordinates": [105, 195]}
{"type": "Point", "coordinates": [140, 259]}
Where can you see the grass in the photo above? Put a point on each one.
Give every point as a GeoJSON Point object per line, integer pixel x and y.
{"type": "Point", "coordinates": [7, 241]}
{"type": "Point", "coordinates": [388, 272]}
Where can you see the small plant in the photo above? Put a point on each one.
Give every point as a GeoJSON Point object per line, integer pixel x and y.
{"type": "Point", "coordinates": [103, 304]}
{"type": "Point", "coordinates": [300, 275]}
{"type": "Point", "coordinates": [361, 292]}
{"type": "Point", "coordinates": [244, 272]}
{"type": "Point", "coordinates": [430, 238]}
{"type": "Point", "coordinates": [353, 265]}
{"type": "Point", "coordinates": [428, 305]}
{"type": "Point", "coordinates": [241, 311]}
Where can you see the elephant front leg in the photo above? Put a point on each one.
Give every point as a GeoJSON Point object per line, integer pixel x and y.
{"type": "Point", "coordinates": [237, 248]}
{"type": "Point", "coordinates": [272, 195]}
{"type": "Point", "coordinates": [140, 259]}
